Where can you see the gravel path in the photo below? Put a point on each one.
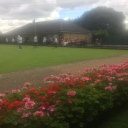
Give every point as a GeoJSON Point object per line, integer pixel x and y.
{"type": "Point", "coordinates": [15, 80]}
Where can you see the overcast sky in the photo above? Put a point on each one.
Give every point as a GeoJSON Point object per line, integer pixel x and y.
{"type": "Point", "coordinates": [15, 13]}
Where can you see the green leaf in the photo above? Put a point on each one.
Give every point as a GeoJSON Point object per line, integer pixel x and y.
{"type": "Point", "coordinates": [81, 110]}
{"type": "Point", "coordinates": [69, 115]}
{"type": "Point", "coordinates": [81, 125]}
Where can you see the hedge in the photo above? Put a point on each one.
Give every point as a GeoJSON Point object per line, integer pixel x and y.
{"type": "Point", "coordinates": [67, 101]}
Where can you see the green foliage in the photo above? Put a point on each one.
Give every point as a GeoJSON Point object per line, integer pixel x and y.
{"type": "Point", "coordinates": [101, 33]}
{"type": "Point", "coordinates": [103, 18]}
{"type": "Point", "coordinates": [67, 104]}
{"type": "Point", "coordinates": [119, 121]}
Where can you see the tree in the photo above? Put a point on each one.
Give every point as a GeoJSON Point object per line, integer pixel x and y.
{"type": "Point", "coordinates": [0, 36]}
{"type": "Point", "coordinates": [102, 18]}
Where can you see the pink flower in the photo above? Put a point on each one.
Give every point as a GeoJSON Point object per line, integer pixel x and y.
{"type": "Point", "coordinates": [29, 104]}
{"type": "Point", "coordinates": [20, 109]}
{"type": "Point", "coordinates": [53, 92]}
{"type": "Point", "coordinates": [26, 99]}
{"type": "Point", "coordinates": [85, 78]}
{"type": "Point", "coordinates": [27, 84]}
{"type": "Point", "coordinates": [97, 81]}
{"type": "Point", "coordinates": [14, 91]}
{"type": "Point", "coordinates": [121, 79]}
{"type": "Point", "coordinates": [108, 88]}
{"type": "Point", "coordinates": [24, 88]}
{"type": "Point", "coordinates": [2, 94]}
{"type": "Point", "coordinates": [114, 87]}
{"type": "Point", "coordinates": [6, 92]}
{"type": "Point", "coordinates": [70, 101]}
{"type": "Point", "coordinates": [1, 100]}
{"type": "Point", "coordinates": [110, 78]}
{"type": "Point", "coordinates": [75, 79]}
{"type": "Point", "coordinates": [110, 84]}
{"type": "Point", "coordinates": [51, 108]}
{"type": "Point", "coordinates": [43, 107]}
{"type": "Point", "coordinates": [67, 79]}
{"type": "Point", "coordinates": [38, 113]}
{"type": "Point", "coordinates": [92, 84]}
{"type": "Point", "coordinates": [71, 93]}
{"type": "Point", "coordinates": [26, 115]}
{"type": "Point", "coordinates": [18, 90]}
{"type": "Point", "coordinates": [58, 101]}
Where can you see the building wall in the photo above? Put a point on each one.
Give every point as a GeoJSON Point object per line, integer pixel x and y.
{"type": "Point", "coordinates": [29, 38]}
{"type": "Point", "coordinates": [73, 36]}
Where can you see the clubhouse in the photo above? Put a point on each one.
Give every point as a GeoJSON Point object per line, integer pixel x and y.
{"type": "Point", "coordinates": [63, 30]}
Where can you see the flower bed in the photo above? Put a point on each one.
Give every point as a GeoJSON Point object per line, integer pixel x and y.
{"type": "Point", "coordinates": [68, 101]}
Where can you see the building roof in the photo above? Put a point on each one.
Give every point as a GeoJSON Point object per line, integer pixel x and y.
{"type": "Point", "coordinates": [53, 26]}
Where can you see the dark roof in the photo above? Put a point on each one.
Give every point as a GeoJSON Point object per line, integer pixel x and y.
{"type": "Point", "coordinates": [53, 26]}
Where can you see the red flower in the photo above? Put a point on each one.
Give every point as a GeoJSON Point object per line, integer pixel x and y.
{"type": "Point", "coordinates": [70, 83]}
{"type": "Point", "coordinates": [70, 101]}
{"type": "Point", "coordinates": [15, 105]}
{"type": "Point", "coordinates": [33, 91]}
{"type": "Point", "coordinates": [36, 93]}
{"type": "Point", "coordinates": [43, 98]}
{"type": "Point", "coordinates": [54, 87]}
{"type": "Point", "coordinates": [49, 92]}
{"type": "Point", "coordinates": [43, 89]}
{"type": "Point", "coordinates": [46, 104]}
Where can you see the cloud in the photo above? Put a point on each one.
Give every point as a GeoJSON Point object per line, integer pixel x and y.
{"type": "Point", "coordinates": [25, 10]}
{"type": "Point", "coordinates": [71, 4]}
{"type": "Point", "coordinates": [15, 13]}
{"type": "Point", "coordinates": [7, 25]}
{"type": "Point", "coordinates": [66, 18]}
{"type": "Point", "coordinates": [121, 5]}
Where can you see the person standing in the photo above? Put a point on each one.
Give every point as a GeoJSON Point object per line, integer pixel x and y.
{"type": "Point", "coordinates": [55, 42]}
{"type": "Point", "coordinates": [6, 40]}
{"type": "Point", "coordinates": [13, 40]}
{"type": "Point", "coordinates": [35, 42]}
{"type": "Point", "coordinates": [44, 40]}
{"type": "Point", "coordinates": [19, 38]}
{"type": "Point", "coordinates": [97, 41]}
{"type": "Point", "coordinates": [100, 42]}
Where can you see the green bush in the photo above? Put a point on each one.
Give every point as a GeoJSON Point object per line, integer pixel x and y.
{"type": "Point", "coordinates": [68, 101]}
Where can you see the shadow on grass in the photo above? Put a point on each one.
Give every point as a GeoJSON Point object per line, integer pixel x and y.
{"type": "Point", "coordinates": [116, 117]}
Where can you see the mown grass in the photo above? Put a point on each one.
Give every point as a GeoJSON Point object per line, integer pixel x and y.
{"type": "Point", "coordinates": [13, 59]}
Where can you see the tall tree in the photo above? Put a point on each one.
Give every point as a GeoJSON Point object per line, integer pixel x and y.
{"type": "Point", "coordinates": [103, 18]}
{"type": "Point", "coordinates": [0, 36]}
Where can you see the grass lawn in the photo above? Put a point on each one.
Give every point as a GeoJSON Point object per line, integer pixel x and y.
{"type": "Point", "coordinates": [13, 59]}
{"type": "Point", "coordinates": [119, 121]}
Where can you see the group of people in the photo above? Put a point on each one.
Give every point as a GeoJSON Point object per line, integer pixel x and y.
{"type": "Point", "coordinates": [55, 41]}
{"type": "Point", "coordinates": [74, 42]}
{"type": "Point", "coordinates": [19, 40]}
{"type": "Point", "coordinates": [13, 40]}
{"type": "Point", "coordinates": [98, 41]}
{"type": "Point", "coordinates": [64, 41]}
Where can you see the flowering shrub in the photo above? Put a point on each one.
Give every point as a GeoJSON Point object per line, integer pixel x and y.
{"type": "Point", "coordinates": [68, 100]}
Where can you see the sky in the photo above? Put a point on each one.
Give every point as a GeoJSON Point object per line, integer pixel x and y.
{"type": "Point", "coordinates": [16, 13]}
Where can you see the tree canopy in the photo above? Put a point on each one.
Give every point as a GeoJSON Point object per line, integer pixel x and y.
{"type": "Point", "coordinates": [102, 18]}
